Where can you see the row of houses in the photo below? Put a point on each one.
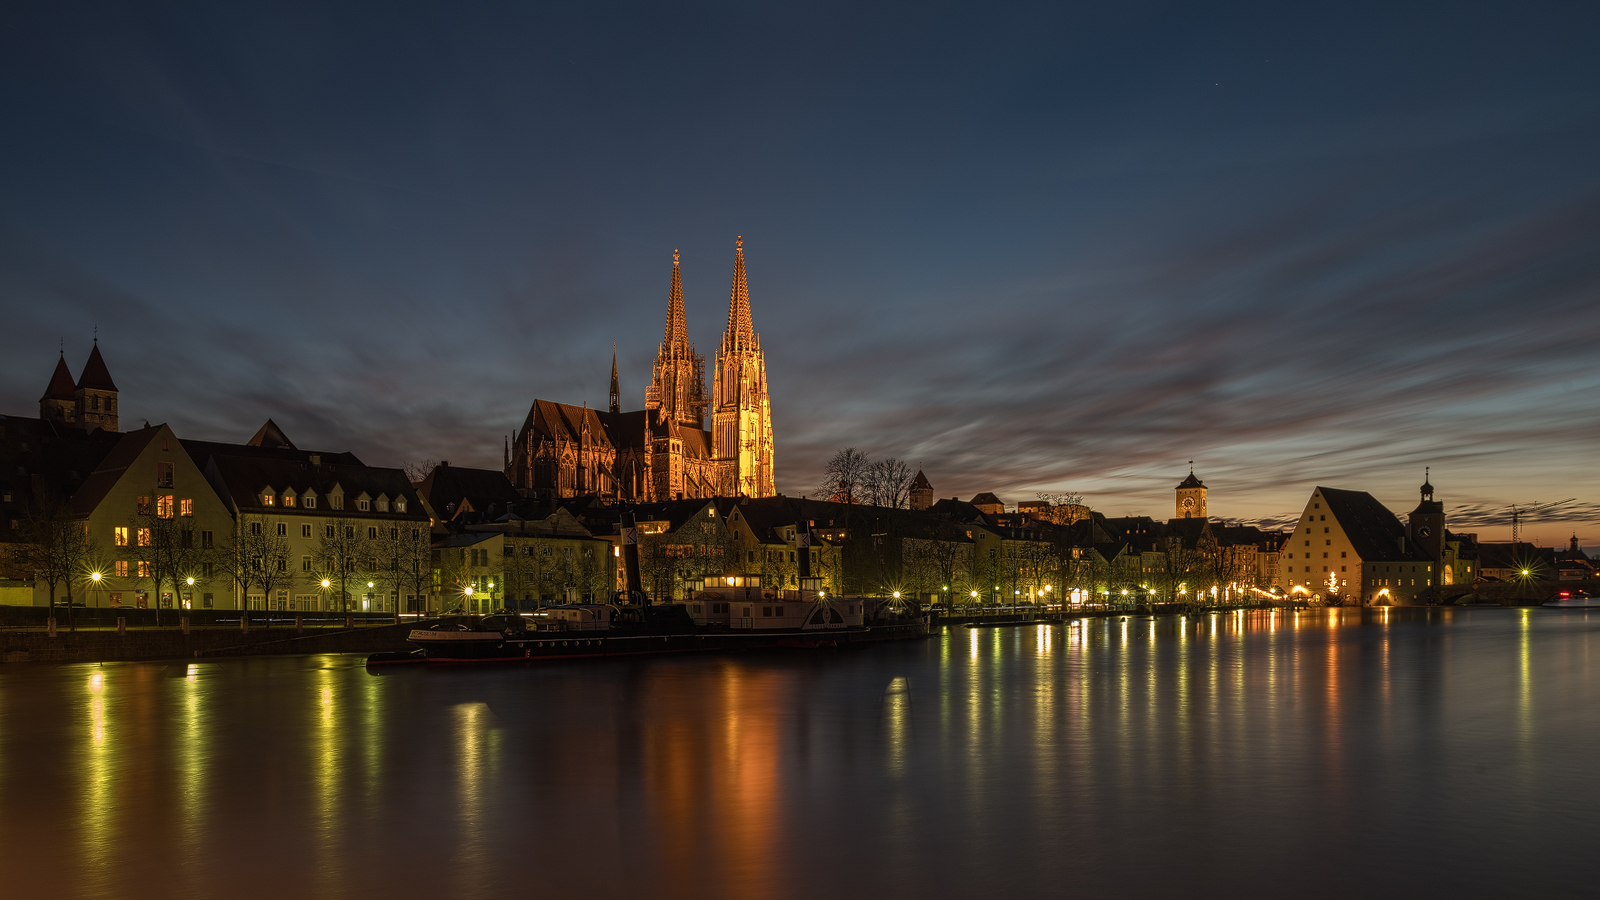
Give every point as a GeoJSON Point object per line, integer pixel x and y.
{"type": "Point", "coordinates": [95, 516]}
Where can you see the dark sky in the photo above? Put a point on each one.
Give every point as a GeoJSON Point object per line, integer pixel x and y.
{"type": "Point", "coordinates": [1053, 247]}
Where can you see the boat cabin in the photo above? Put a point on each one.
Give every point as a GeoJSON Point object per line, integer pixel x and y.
{"type": "Point", "coordinates": [572, 617]}
{"type": "Point", "coordinates": [739, 602]}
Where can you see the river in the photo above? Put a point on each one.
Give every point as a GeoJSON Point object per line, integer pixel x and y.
{"type": "Point", "coordinates": [1323, 753]}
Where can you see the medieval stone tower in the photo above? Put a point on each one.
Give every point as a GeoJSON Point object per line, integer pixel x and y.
{"type": "Point", "coordinates": [677, 390]}
{"type": "Point", "coordinates": [1191, 499]}
{"type": "Point", "coordinates": [91, 401]}
{"type": "Point", "coordinates": [741, 411]}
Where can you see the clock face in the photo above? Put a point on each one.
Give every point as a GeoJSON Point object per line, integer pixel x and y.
{"type": "Point", "coordinates": [1424, 531]}
{"type": "Point", "coordinates": [1188, 502]}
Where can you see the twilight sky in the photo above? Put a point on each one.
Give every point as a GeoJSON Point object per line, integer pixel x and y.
{"type": "Point", "coordinates": [1052, 247]}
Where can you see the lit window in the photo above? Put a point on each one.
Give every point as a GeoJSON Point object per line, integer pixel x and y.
{"type": "Point", "coordinates": [144, 569]}
{"type": "Point", "coordinates": [400, 504]}
{"type": "Point", "coordinates": [120, 568]}
{"type": "Point", "coordinates": [119, 537]}
{"type": "Point", "coordinates": [164, 506]}
{"type": "Point", "coordinates": [288, 499]}
{"type": "Point", "coordinates": [144, 537]}
{"type": "Point", "coordinates": [186, 506]}
{"type": "Point", "coordinates": [267, 499]}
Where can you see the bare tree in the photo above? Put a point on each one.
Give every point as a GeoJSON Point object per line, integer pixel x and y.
{"type": "Point", "coordinates": [342, 554]}
{"type": "Point", "coordinates": [778, 570]}
{"type": "Point", "coordinates": [404, 562]}
{"type": "Point", "coordinates": [888, 483]}
{"type": "Point", "coordinates": [417, 471]}
{"type": "Point", "coordinates": [58, 548]}
{"type": "Point", "coordinates": [843, 477]}
{"type": "Point", "coordinates": [266, 553]}
{"type": "Point", "coordinates": [157, 552]}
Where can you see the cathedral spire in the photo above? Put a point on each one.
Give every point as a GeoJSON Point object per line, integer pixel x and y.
{"type": "Point", "coordinates": [677, 383]}
{"type": "Point", "coordinates": [740, 333]}
{"type": "Point", "coordinates": [616, 395]}
{"type": "Point", "coordinates": [677, 326]}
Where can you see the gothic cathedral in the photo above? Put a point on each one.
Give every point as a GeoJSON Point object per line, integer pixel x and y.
{"type": "Point", "coordinates": [663, 451]}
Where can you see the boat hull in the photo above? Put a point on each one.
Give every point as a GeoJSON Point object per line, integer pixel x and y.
{"type": "Point", "coordinates": [477, 647]}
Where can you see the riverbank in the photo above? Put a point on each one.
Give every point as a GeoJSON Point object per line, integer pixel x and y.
{"type": "Point", "coordinates": [110, 645]}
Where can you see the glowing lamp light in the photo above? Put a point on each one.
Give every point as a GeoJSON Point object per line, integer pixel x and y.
{"type": "Point", "coordinates": [369, 584]}
{"type": "Point", "coordinates": [491, 585]}
{"type": "Point", "coordinates": [974, 594]}
{"type": "Point", "coordinates": [897, 595]}
{"type": "Point", "coordinates": [1524, 571]}
{"type": "Point", "coordinates": [94, 576]}
{"type": "Point", "coordinates": [324, 583]}
{"type": "Point", "coordinates": [468, 590]}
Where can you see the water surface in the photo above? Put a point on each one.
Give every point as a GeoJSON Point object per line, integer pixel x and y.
{"type": "Point", "coordinates": [1321, 754]}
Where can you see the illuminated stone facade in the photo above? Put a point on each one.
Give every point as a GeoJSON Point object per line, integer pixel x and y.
{"type": "Point", "coordinates": [662, 452]}
{"type": "Point", "coordinates": [1191, 498]}
{"type": "Point", "coordinates": [741, 410]}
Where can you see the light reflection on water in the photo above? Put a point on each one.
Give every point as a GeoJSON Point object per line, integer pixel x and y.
{"type": "Point", "coordinates": [1326, 752]}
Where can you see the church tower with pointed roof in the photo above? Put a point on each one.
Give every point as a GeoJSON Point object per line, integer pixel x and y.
{"type": "Point", "coordinates": [1191, 498]}
{"type": "Point", "coordinates": [90, 402]}
{"type": "Point", "coordinates": [741, 417]}
{"type": "Point", "coordinates": [58, 402]}
{"type": "Point", "coordinates": [677, 391]}
{"type": "Point", "coordinates": [95, 399]}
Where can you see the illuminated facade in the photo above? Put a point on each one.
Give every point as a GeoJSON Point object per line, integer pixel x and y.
{"type": "Point", "coordinates": [1348, 544]}
{"type": "Point", "coordinates": [662, 452]}
{"type": "Point", "coordinates": [1191, 499]}
{"type": "Point", "coordinates": [741, 417]}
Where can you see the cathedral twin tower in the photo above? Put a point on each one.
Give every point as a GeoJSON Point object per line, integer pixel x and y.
{"type": "Point", "coordinates": [663, 452]}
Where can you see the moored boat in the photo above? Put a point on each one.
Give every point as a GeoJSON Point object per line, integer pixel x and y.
{"type": "Point", "coordinates": [719, 614]}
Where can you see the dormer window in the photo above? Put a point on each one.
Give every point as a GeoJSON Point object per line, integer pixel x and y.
{"type": "Point", "coordinates": [267, 499]}
{"type": "Point", "coordinates": [288, 499]}
{"type": "Point", "coordinates": [383, 504]}
{"type": "Point", "coordinates": [336, 501]}
{"type": "Point", "coordinates": [362, 504]}
{"type": "Point", "coordinates": [309, 501]}
{"type": "Point", "coordinates": [399, 504]}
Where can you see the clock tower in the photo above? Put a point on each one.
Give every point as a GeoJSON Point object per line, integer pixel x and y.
{"type": "Point", "coordinates": [1425, 527]}
{"type": "Point", "coordinates": [1191, 497]}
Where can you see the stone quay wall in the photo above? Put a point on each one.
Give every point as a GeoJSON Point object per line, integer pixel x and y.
{"type": "Point", "coordinates": [201, 643]}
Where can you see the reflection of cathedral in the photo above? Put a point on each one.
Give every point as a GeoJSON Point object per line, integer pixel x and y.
{"type": "Point", "coordinates": [662, 452]}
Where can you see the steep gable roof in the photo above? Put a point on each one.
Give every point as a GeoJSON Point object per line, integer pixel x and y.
{"type": "Point", "coordinates": [111, 468]}
{"type": "Point", "coordinates": [95, 374]}
{"type": "Point", "coordinates": [1374, 531]}
{"type": "Point", "coordinates": [61, 386]}
{"type": "Point", "coordinates": [448, 484]}
{"type": "Point", "coordinates": [270, 435]}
